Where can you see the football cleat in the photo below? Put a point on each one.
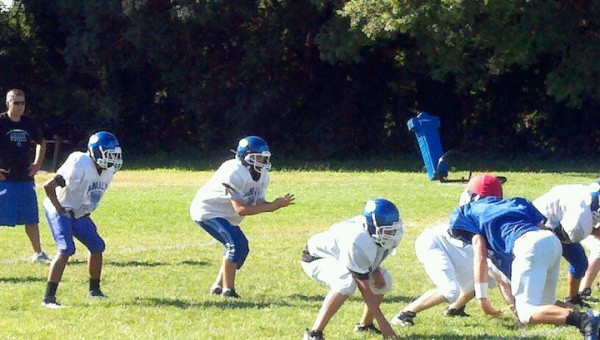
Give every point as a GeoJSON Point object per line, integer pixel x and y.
{"type": "Point", "coordinates": [41, 257]}
{"type": "Point", "coordinates": [366, 328]}
{"type": "Point", "coordinates": [230, 293]}
{"type": "Point", "coordinates": [313, 335]}
{"type": "Point", "coordinates": [455, 312]}
{"type": "Point", "coordinates": [216, 290]}
{"type": "Point", "coordinates": [586, 295]}
{"type": "Point", "coordinates": [577, 302]}
{"type": "Point", "coordinates": [404, 319]}
{"type": "Point", "coordinates": [50, 302]}
{"type": "Point", "coordinates": [96, 294]}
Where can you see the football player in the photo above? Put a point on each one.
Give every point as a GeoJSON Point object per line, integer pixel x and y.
{"type": "Point", "coordinates": [237, 189]}
{"type": "Point", "coordinates": [349, 255]}
{"type": "Point", "coordinates": [449, 264]}
{"type": "Point", "coordinates": [18, 200]}
{"type": "Point", "coordinates": [571, 212]}
{"type": "Point", "coordinates": [72, 195]}
{"type": "Point", "coordinates": [510, 231]}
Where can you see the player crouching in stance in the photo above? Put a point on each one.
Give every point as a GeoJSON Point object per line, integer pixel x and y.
{"type": "Point", "coordinates": [73, 194]}
{"type": "Point", "coordinates": [572, 213]}
{"type": "Point", "coordinates": [237, 189]}
{"type": "Point", "coordinates": [449, 264]}
{"type": "Point", "coordinates": [348, 255]}
{"type": "Point", "coordinates": [510, 232]}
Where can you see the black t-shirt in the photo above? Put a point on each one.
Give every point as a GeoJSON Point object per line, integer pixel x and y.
{"type": "Point", "coordinates": [16, 142]}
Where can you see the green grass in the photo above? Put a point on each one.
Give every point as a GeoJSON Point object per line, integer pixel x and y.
{"type": "Point", "coordinates": [159, 265]}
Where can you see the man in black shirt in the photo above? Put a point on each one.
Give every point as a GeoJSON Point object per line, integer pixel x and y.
{"type": "Point", "coordinates": [18, 200]}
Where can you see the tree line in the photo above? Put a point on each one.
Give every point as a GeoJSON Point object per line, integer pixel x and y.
{"type": "Point", "coordinates": [317, 79]}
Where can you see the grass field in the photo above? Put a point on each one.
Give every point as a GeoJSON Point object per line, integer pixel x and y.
{"type": "Point", "coordinates": [159, 265]}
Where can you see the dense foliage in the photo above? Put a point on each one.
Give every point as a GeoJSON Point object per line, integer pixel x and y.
{"type": "Point", "coordinates": [317, 79]}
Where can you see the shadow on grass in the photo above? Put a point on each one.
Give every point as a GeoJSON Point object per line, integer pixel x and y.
{"type": "Point", "coordinates": [183, 304]}
{"type": "Point", "coordinates": [194, 263]}
{"type": "Point", "coordinates": [136, 264]}
{"type": "Point", "coordinates": [25, 279]}
{"type": "Point", "coordinates": [356, 297]}
{"type": "Point", "coordinates": [470, 337]}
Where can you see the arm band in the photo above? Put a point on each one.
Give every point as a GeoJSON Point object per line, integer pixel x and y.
{"type": "Point", "coordinates": [481, 290]}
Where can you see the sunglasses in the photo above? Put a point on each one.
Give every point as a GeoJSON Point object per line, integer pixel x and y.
{"type": "Point", "coordinates": [19, 103]}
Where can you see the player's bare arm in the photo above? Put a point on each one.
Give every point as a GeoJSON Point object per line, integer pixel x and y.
{"type": "Point", "coordinates": [369, 297]}
{"type": "Point", "coordinates": [50, 188]}
{"type": "Point", "coordinates": [244, 209]}
{"type": "Point", "coordinates": [40, 153]}
{"type": "Point", "coordinates": [378, 278]}
{"type": "Point", "coordinates": [2, 172]}
{"type": "Point", "coordinates": [480, 273]}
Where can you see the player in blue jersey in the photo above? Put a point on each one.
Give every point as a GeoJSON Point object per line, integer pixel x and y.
{"type": "Point", "coordinates": [237, 189]}
{"type": "Point", "coordinates": [510, 233]}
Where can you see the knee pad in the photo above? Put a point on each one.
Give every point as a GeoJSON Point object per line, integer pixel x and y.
{"type": "Point", "coordinates": [345, 285]}
{"type": "Point", "coordinates": [68, 249]}
{"type": "Point", "coordinates": [240, 252]}
{"type": "Point", "coordinates": [578, 270]}
{"type": "Point", "coordinates": [524, 311]}
{"type": "Point", "coordinates": [98, 247]}
{"type": "Point", "coordinates": [450, 292]}
{"type": "Point", "coordinates": [388, 283]}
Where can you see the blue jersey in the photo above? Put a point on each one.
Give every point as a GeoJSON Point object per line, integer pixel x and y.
{"type": "Point", "coordinates": [500, 221]}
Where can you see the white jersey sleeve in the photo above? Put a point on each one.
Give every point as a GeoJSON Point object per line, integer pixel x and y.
{"type": "Point", "coordinates": [350, 245]}
{"type": "Point", "coordinates": [231, 181]}
{"type": "Point", "coordinates": [84, 186]}
{"type": "Point", "coordinates": [567, 206]}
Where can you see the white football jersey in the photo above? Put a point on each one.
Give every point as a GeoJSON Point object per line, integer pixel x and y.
{"type": "Point", "coordinates": [350, 244]}
{"type": "Point", "coordinates": [84, 186]}
{"type": "Point", "coordinates": [459, 253]}
{"type": "Point", "coordinates": [213, 199]}
{"type": "Point", "coordinates": [569, 206]}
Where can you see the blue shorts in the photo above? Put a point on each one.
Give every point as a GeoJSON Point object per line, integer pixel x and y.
{"type": "Point", "coordinates": [575, 255]}
{"type": "Point", "coordinates": [230, 236]}
{"type": "Point", "coordinates": [18, 203]}
{"type": "Point", "coordinates": [64, 228]}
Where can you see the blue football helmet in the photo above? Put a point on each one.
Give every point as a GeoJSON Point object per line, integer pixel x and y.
{"type": "Point", "coordinates": [105, 149]}
{"type": "Point", "coordinates": [249, 149]}
{"type": "Point", "coordinates": [383, 222]}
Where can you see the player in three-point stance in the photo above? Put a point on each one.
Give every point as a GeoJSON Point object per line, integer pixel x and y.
{"type": "Point", "coordinates": [349, 255]}
{"type": "Point", "coordinates": [75, 192]}
{"type": "Point", "coordinates": [510, 231]}
{"type": "Point", "coordinates": [572, 212]}
{"type": "Point", "coordinates": [449, 264]}
{"type": "Point", "coordinates": [237, 189]}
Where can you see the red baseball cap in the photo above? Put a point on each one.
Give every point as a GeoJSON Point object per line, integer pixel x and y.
{"type": "Point", "coordinates": [485, 185]}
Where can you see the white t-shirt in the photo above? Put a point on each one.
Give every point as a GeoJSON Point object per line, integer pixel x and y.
{"type": "Point", "coordinates": [350, 244]}
{"type": "Point", "coordinates": [569, 206]}
{"type": "Point", "coordinates": [213, 199]}
{"type": "Point", "coordinates": [84, 186]}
